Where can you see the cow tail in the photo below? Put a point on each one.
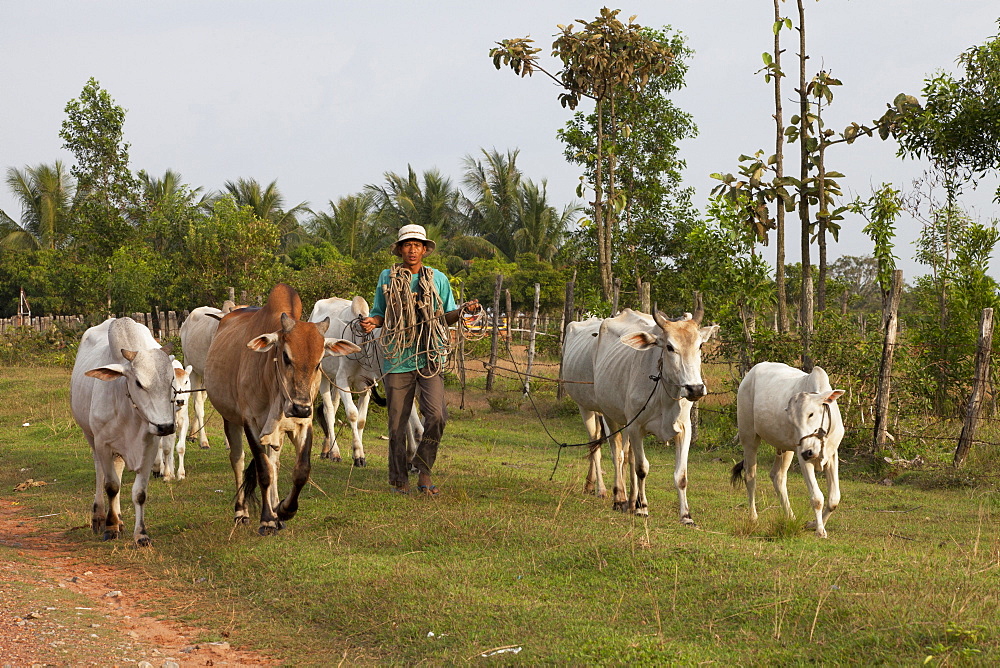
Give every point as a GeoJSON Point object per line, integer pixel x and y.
{"type": "Point", "coordinates": [249, 486]}
{"type": "Point", "coordinates": [736, 477]}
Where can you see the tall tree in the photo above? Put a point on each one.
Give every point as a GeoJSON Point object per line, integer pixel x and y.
{"type": "Point", "coordinates": [46, 195]}
{"type": "Point", "coordinates": [351, 225]}
{"type": "Point", "coordinates": [542, 227]}
{"type": "Point", "coordinates": [644, 135]}
{"type": "Point", "coordinates": [607, 61]}
{"type": "Point", "coordinates": [108, 192]}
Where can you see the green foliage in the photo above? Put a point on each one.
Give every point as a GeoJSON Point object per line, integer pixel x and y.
{"type": "Point", "coordinates": [881, 211]}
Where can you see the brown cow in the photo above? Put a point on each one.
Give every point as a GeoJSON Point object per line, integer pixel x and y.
{"type": "Point", "coordinates": [268, 395]}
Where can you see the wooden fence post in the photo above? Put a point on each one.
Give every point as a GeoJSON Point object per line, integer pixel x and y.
{"type": "Point", "coordinates": [461, 346]}
{"type": "Point", "coordinates": [644, 297]}
{"type": "Point", "coordinates": [495, 333]}
{"type": "Point", "coordinates": [566, 319]}
{"type": "Point", "coordinates": [983, 349]}
{"type": "Point", "coordinates": [615, 295]}
{"type": "Point", "coordinates": [531, 339]}
{"type": "Point", "coordinates": [890, 324]}
{"type": "Point", "coordinates": [510, 317]}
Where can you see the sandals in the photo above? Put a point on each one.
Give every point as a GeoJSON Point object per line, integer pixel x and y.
{"type": "Point", "coordinates": [402, 491]}
{"type": "Point", "coordinates": [429, 490]}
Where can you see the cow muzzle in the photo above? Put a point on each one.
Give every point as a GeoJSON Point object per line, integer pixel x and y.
{"type": "Point", "coordinates": [694, 392]}
{"type": "Point", "coordinates": [164, 429]}
{"type": "Point", "coordinates": [299, 411]}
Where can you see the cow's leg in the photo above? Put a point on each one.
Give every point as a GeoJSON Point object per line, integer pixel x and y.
{"type": "Point", "coordinates": [815, 494]}
{"type": "Point", "coordinates": [331, 400]}
{"type": "Point", "coordinates": [198, 399]}
{"type": "Point", "coordinates": [595, 478]}
{"type": "Point", "coordinates": [414, 434]}
{"type": "Point", "coordinates": [98, 510]}
{"type": "Point", "coordinates": [112, 474]}
{"type": "Point", "coordinates": [141, 484]}
{"type": "Point", "coordinates": [640, 470]}
{"type": "Point", "coordinates": [619, 452]}
{"type": "Point", "coordinates": [300, 474]}
{"type": "Point", "coordinates": [266, 454]}
{"type": "Point", "coordinates": [357, 416]}
{"type": "Point", "coordinates": [751, 443]}
{"type": "Point", "coordinates": [682, 444]}
{"type": "Point", "coordinates": [832, 493]}
{"type": "Point", "coordinates": [163, 464]}
{"type": "Point", "coordinates": [779, 478]}
{"type": "Point", "coordinates": [234, 440]}
{"type": "Point", "coordinates": [183, 426]}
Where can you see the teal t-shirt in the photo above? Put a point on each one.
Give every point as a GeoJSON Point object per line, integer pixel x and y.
{"type": "Point", "coordinates": [397, 361]}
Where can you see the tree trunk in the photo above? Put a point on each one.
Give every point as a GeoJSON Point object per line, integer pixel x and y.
{"type": "Point", "coordinates": [779, 172]}
{"type": "Point", "coordinates": [806, 318]}
{"type": "Point", "coordinates": [603, 260]}
{"type": "Point", "coordinates": [978, 387]}
{"type": "Point", "coordinates": [891, 326]}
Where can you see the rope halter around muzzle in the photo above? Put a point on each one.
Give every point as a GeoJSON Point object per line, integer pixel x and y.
{"type": "Point", "coordinates": [820, 434]}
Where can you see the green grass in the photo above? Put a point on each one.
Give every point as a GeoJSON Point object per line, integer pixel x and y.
{"type": "Point", "coordinates": [506, 557]}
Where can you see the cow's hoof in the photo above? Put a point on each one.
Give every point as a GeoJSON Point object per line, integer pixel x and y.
{"type": "Point", "coordinates": [335, 458]}
{"type": "Point", "coordinates": [324, 455]}
{"type": "Point", "coordinates": [181, 476]}
{"type": "Point", "coordinates": [190, 439]}
{"type": "Point", "coordinates": [642, 512]}
{"type": "Point", "coordinates": [143, 541]}
{"type": "Point", "coordinates": [359, 461]}
{"type": "Point", "coordinates": [687, 521]}
{"type": "Point", "coordinates": [241, 520]}
{"type": "Point", "coordinates": [270, 529]}
{"type": "Point", "coordinates": [110, 535]}
{"type": "Point", "coordinates": [97, 526]}
{"type": "Point", "coordinates": [157, 474]}
{"type": "Point", "coordinates": [204, 446]}
{"type": "Point", "coordinates": [620, 506]}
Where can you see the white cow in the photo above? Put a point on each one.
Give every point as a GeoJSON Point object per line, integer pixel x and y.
{"type": "Point", "coordinates": [197, 331]}
{"type": "Point", "coordinates": [126, 417]}
{"type": "Point", "coordinates": [349, 375]}
{"type": "Point", "coordinates": [646, 374]}
{"type": "Point", "coordinates": [577, 371]}
{"type": "Point", "coordinates": [797, 413]}
{"type": "Point", "coordinates": [164, 464]}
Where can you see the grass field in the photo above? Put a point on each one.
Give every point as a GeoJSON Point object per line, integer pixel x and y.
{"type": "Point", "coordinates": [507, 559]}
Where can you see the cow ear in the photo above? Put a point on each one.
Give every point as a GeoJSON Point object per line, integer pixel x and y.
{"type": "Point", "coordinates": [359, 306]}
{"type": "Point", "coordinates": [188, 369]}
{"type": "Point", "coordinates": [167, 348]}
{"type": "Point", "coordinates": [639, 340]}
{"type": "Point", "coordinates": [335, 347]}
{"type": "Point", "coordinates": [263, 342]}
{"type": "Point", "coordinates": [833, 396]}
{"type": "Point", "coordinates": [108, 372]}
{"type": "Point", "coordinates": [129, 354]}
{"type": "Point", "coordinates": [179, 373]}
{"type": "Point", "coordinates": [323, 325]}
{"type": "Point", "coordinates": [707, 333]}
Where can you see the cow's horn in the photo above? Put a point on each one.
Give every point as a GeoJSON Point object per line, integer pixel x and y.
{"type": "Point", "coordinates": [660, 319]}
{"type": "Point", "coordinates": [287, 323]}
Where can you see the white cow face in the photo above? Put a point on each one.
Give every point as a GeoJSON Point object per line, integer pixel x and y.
{"type": "Point", "coordinates": [148, 376]}
{"type": "Point", "coordinates": [679, 346]}
{"type": "Point", "coordinates": [181, 383]}
{"type": "Point", "coordinates": [811, 417]}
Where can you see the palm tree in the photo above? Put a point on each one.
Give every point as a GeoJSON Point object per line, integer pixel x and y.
{"type": "Point", "coordinates": [46, 193]}
{"type": "Point", "coordinates": [405, 201]}
{"type": "Point", "coordinates": [542, 228]}
{"type": "Point", "coordinates": [170, 203]}
{"type": "Point", "coordinates": [169, 190]}
{"type": "Point", "coordinates": [267, 204]}
{"type": "Point", "coordinates": [351, 225]}
{"type": "Point", "coordinates": [494, 198]}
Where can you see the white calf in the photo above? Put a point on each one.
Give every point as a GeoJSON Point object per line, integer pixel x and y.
{"type": "Point", "coordinates": [797, 413]}
{"type": "Point", "coordinates": [165, 458]}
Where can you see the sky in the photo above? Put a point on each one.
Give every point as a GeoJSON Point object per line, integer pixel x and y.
{"type": "Point", "coordinates": [327, 96]}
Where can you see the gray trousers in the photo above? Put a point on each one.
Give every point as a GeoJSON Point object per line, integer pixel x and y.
{"type": "Point", "coordinates": [400, 389]}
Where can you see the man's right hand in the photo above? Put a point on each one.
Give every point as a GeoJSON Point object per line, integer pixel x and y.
{"type": "Point", "coordinates": [370, 323]}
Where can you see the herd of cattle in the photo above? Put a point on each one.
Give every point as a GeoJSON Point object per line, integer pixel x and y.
{"type": "Point", "coordinates": [631, 375]}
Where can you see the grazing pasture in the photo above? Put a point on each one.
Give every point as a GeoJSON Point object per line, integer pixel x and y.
{"type": "Point", "coordinates": [507, 559]}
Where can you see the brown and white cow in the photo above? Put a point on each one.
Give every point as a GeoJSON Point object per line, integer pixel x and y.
{"type": "Point", "coordinates": [262, 375]}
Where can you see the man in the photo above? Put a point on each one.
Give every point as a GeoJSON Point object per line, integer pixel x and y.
{"type": "Point", "coordinates": [414, 306]}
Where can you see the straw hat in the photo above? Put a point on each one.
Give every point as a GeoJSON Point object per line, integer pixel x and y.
{"type": "Point", "coordinates": [412, 233]}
